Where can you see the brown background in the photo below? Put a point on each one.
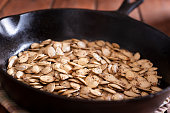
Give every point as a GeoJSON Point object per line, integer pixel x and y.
{"type": "Point", "coordinates": [153, 12]}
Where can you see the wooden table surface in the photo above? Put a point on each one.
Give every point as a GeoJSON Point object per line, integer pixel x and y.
{"type": "Point", "coordinates": [153, 12]}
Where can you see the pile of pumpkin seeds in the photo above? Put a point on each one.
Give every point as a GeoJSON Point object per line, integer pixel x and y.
{"type": "Point", "coordinates": [96, 70]}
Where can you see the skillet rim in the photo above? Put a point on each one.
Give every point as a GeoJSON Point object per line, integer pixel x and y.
{"type": "Point", "coordinates": [105, 13]}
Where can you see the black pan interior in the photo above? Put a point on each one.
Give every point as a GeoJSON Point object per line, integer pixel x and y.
{"type": "Point", "coordinates": [19, 31]}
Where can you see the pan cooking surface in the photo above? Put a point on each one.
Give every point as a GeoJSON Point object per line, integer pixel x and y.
{"type": "Point", "coordinates": [18, 32]}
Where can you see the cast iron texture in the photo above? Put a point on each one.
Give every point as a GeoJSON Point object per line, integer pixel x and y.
{"type": "Point", "coordinates": [19, 31]}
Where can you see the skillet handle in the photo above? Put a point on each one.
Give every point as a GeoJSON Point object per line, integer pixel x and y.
{"type": "Point", "coordinates": [128, 7]}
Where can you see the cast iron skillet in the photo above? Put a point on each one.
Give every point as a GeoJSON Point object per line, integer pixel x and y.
{"type": "Point", "coordinates": [17, 32]}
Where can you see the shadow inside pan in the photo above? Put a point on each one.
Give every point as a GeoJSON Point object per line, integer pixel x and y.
{"type": "Point", "coordinates": [18, 32]}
